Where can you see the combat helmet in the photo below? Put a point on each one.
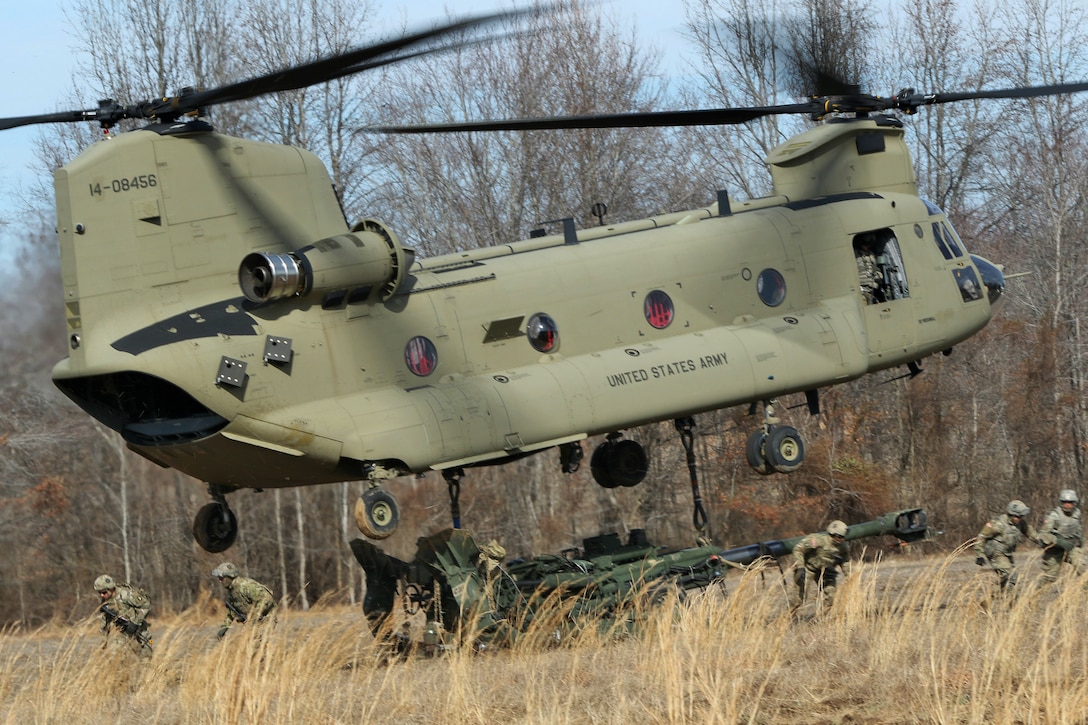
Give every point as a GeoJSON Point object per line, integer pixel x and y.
{"type": "Point", "coordinates": [836, 528]}
{"type": "Point", "coordinates": [104, 583]}
{"type": "Point", "coordinates": [225, 569]}
{"type": "Point", "coordinates": [1068, 495]}
{"type": "Point", "coordinates": [1017, 507]}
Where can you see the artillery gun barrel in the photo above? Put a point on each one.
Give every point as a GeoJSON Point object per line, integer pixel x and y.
{"type": "Point", "coordinates": [908, 525]}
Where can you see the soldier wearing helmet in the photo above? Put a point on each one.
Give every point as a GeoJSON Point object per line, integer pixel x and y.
{"type": "Point", "coordinates": [999, 538]}
{"type": "Point", "coordinates": [816, 557]}
{"type": "Point", "coordinates": [248, 601]}
{"type": "Point", "coordinates": [1062, 536]}
{"type": "Point", "coordinates": [124, 611]}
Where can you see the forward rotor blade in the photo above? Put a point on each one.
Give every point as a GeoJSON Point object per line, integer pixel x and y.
{"type": "Point", "coordinates": [650, 119]}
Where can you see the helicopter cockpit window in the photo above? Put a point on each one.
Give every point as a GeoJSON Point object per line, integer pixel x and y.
{"type": "Point", "coordinates": [946, 239]}
{"type": "Point", "coordinates": [941, 243]}
{"type": "Point", "coordinates": [771, 287]}
{"type": "Point", "coordinates": [967, 281]}
{"type": "Point", "coordinates": [952, 240]}
{"type": "Point", "coordinates": [420, 356]}
{"type": "Point", "coordinates": [542, 332]}
{"type": "Point", "coordinates": [881, 273]}
{"type": "Point", "coordinates": [658, 309]}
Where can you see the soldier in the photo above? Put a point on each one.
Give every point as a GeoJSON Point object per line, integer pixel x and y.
{"type": "Point", "coordinates": [247, 599]}
{"type": "Point", "coordinates": [869, 274]}
{"type": "Point", "coordinates": [124, 611]}
{"type": "Point", "coordinates": [1062, 536]}
{"type": "Point", "coordinates": [998, 540]}
{"type": "Point", "coordinates": [818, 556]}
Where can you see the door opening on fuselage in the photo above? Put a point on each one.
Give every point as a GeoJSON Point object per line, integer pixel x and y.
{"type": "Point", "coordinates": [881, 276]}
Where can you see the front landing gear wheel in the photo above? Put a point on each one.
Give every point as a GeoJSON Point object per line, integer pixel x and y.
{"type": "Point", "coordinates": [215, 528]}
{"type": "Point", "coordinates": [754, 453]}
{"type": "Point", "coordinates": [377, 514]}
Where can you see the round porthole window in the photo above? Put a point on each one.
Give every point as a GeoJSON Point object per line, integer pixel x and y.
{"type": "Point", "coordinates": [420, 356]}
{"type": "Point", "coordinates": [658, 309]}
{"type": "Point", "coordinates": [542, 332]}
{"type": "Point", "coordinates": [771, 287]}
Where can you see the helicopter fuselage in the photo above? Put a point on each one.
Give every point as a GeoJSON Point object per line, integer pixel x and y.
{"type": "Point", "coordinates": [227, 321]}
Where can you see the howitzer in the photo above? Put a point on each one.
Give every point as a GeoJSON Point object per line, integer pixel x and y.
{"type": "Point", "coordinates": [447, 580]}
{"type": "Point", "coordinates": [126, 626]}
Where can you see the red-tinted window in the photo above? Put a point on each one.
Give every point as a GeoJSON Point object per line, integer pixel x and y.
{"type": "Point", "coordinates": [542, 332]}
{"type": "Point", "coordinates": [420, 356]}
{"type": "Point", "coordinates": [658, 309]}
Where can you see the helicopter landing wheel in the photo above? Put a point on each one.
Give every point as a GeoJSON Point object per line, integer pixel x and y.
{"type": "Point", "coordinates": [377, 514]}
{"type": "Point", "coordinates": [784, 449]}
{"type": "Point", "coordinates": [215, 527]}
{"type": "Point", "coordinates": [619, 463]}
{"type": "Point", "coordinates": [754, 453]}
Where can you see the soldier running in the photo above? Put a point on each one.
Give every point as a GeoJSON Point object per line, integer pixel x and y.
{"type": "Point", "coordinates": [124, 611]}
{"type": "Point", "coordinates": [247, 599]}
{"type": "Point", "coordinates": [1062, 536]}
{"type": "Point", "coordinates": [817, 557]}
{"type": "Point", "coordinates": [999, 538]}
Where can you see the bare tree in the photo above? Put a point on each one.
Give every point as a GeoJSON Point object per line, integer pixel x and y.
{"type": "Point", "coordinates": [458, 191]}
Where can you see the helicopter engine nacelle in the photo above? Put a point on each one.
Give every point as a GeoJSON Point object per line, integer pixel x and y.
{"type": "Point", "coordinates": [367, 257]}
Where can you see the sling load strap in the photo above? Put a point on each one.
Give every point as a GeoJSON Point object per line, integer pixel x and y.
{"type": "Point", "coordinates": [453, 480]}
{"type": "Point", "coordinates": [686, 428]}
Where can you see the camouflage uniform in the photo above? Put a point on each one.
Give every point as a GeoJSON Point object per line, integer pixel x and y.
{"type": "Point", "coordinates": [247, 599]}
{"type": "Point", "coordinates": [869, 274]}
{"type": "Point", "coordinates": [999, 538]}
{"type": "Point", "coordinates": [1062, 535]}
{"type": "Point", "coordinates": [818, 555]}
{"type": "Point", "coordinates": [130, 603]}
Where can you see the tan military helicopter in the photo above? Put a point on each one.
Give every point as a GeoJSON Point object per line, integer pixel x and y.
{"type": "Point", "coordinates": [227, 321]}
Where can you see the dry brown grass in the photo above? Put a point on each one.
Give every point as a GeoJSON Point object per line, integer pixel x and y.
{"type": "Point", "coordinates": [910, 641]}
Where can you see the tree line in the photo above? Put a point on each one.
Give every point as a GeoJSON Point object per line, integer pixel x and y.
{"type": "Point", "coordinates": [1004, 416]}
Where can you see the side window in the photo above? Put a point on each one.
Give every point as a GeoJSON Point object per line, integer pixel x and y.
{"type": "Point", "coordinates": [771, 287]}
{"type": "Point", "coordinates": [882, 277]}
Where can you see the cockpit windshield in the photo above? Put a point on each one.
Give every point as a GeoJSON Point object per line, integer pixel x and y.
{"type": "Point", "coordinates": [967, 279]}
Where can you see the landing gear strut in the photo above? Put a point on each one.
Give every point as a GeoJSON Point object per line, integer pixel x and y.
{"type": "Point", "coordinates": [376, 511]}
{"type": "Point", "coordinates": [215, 527]}
{"type": "Point", "coordinates": [774, 448]}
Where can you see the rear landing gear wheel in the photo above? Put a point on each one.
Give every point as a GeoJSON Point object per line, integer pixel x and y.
{"type": "Point", "coordinates": [377, 514]}
{"type": "Point", "coordinates": [784, 449]}
{"type": "Point", "coordinates": [215, 527]}
{"type": "Point", "coordinates": [619, 463]}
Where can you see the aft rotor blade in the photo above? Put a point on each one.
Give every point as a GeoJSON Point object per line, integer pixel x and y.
{"type": "Point", "coordinates": [913, 100]}
{"type": "Point", "coordinates": [412, 45]}
{"type": "Point", "coordinates": [340, 65]}
{"type": "Point", "coordinates": [60, 117]}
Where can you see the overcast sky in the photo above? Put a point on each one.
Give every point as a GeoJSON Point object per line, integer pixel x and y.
{"type": "Point", "coordinates": [36, 65]}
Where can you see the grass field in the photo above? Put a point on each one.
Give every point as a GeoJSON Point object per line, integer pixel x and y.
{"type": "Point", "coordinates": [911, 640]}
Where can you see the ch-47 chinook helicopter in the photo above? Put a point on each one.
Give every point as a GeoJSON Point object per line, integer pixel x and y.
{"type": "Point", "coordinates": [227, 321]}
